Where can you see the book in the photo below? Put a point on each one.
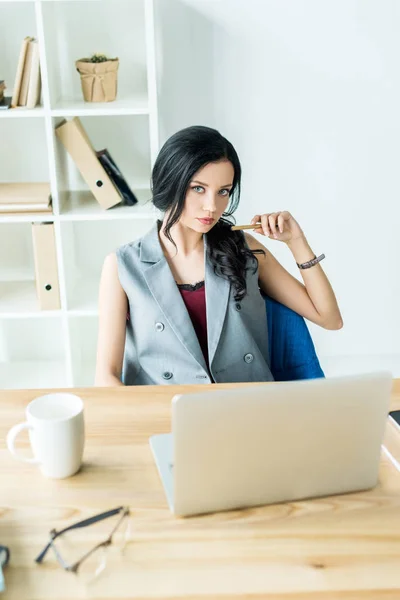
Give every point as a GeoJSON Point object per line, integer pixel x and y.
{"type": "Point", "coordinates": [19, 73]}
{"type": "Point", "coordinates": [116, 177]}
{"type": "Point", "coordinates": [23, 94]}
{"type": "Point", "coordinates": [29, 191]}
{"type": "Point", "coordinates": [25, 197]}
{"type": "Point", "coordinates": [25, 208]}
{"type": "Point", "coordinates": [34, 86]}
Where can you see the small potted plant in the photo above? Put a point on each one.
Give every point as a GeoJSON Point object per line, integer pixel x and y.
{"type": "Point", "coordinates": [98, 77]}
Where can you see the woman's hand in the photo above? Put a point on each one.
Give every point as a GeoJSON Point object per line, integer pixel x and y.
{"type": "Point", "coordinates": [279, 226]}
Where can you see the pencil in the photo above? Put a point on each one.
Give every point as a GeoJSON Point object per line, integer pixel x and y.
{"type": "Point", "coordinates": [254, 226]}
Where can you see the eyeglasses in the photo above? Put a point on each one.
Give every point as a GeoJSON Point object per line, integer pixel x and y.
{"type": "Point", "coordinates": [94, 561]}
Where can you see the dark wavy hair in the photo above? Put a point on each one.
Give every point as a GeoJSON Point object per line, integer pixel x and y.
{"type": "Point", "coordinates": [182, 155]}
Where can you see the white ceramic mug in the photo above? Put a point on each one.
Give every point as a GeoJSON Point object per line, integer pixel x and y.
{"type": "Point", "coordinates": [57, 434]}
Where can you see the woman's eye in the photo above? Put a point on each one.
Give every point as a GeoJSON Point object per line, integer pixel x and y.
{"type": "Point", "coordinates": [224, 192]}
{"type": "Point", "coordinates": [198, 188]}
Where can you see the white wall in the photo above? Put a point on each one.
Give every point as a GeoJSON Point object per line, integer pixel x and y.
{"type": "Point", "coordinates": [308, 92]}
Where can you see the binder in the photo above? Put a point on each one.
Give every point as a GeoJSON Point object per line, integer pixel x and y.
{"type": "Point", "coordinates": [116, 177]}
{"type": "Point", "coordinates": [46, 270]}
{"type": "Point", "coordinates": [76, 141]}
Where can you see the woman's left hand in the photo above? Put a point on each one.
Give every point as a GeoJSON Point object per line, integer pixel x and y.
{"type": "Point", "coordinates": [279, 226]}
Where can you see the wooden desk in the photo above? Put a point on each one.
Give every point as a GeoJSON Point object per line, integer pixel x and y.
{"type": "Point", "coordinates": [344, 547]}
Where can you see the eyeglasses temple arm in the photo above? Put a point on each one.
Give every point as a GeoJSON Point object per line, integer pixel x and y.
{"type": "Point", "coordinates": [85, 523]}
{"type": "Point", "coordinates": [43, 553]}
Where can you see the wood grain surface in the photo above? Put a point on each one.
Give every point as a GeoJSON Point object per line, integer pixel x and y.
{"type": "Point", "coordinates": [343, 547]}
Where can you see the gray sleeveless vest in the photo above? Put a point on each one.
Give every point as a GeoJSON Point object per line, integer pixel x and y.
{"type": "Point", "coordinates": [161, 345]}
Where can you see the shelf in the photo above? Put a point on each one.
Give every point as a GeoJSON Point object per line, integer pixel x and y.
{"type": "Point", "coordinates": [82, 205]}
{"type": "Point", "coordinates": [84, 374]}
{"type": "Point", "coordinates": [84, 296]}
{"type": "Point", "coordinates": [19, 299]}
{"type": "Point", "coordinates": [25, 217]}
{"type": "Point", "coordinates": [73, 31]}
{"type": "Point", "coordinates": [86, 244]}
{"type": "Point", "coordinates": [83, 335]}
{"type": "Point", "coordinates": [34, 314]}
{"type": "Point", "coordinates": [18, 296]}
{"type": "Point", "coordinates": [16, 22]}
{"type": "Point", "coordinates": [44, 349]}
{"type": "Point", "coordinates": [22, 112]}
{"type": "Point", "coordinates": [84, 312]}
{"type": "Point", "coordinates": [32, 353]}
{"type": "Point", "coordinates": [127, 140]}
{"type": "Point", "coordinates": [23, 150]}
{"type": "Point", "coordinates": [132, 105]}
{"type": "Point", "coordinates": [17, 273]}
{"type": "Point", "coordinates": [32, 374]}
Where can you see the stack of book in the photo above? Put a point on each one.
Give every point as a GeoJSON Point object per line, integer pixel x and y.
{"type": "Point", "coordinates": [98, 169]}
{"type": "Point", "coordinates": [27, 86]}
{"type": "Point", "coordinates": [25, 198]}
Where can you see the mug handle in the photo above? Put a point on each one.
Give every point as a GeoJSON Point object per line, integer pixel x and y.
{"type": "Point", "coordinates": [12, 434]}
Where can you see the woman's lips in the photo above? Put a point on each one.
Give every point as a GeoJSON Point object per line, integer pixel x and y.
{"type": "Point", "coordinates": [206, 221]}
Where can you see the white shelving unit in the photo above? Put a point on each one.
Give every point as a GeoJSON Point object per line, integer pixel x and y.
{"type": "Point", "coordinates": [40, 349]}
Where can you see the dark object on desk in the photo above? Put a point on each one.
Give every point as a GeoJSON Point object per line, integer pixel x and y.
{"type": "Point", "coordinates": [395, 414]}
{"type": "Point", "coordinates": [5, 102]}
{"type": "Point", "coordinates": [116, 177]}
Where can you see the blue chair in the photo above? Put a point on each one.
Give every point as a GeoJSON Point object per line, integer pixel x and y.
{"type": "Point", "coordinates": [291, 349]}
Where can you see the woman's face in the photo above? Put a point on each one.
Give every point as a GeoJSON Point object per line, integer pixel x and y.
{"type": "Point", "coordinates": [207, 196]}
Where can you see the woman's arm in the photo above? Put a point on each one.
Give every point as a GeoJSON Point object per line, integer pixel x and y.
{"type": "Point", "coordinates": [314, 300]}
{"type": "Point", "coordinates": [113, 306]}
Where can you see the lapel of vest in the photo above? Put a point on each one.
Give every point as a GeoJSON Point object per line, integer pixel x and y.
{"type": "Point", "coordinates": [217, 296]}
{"type": "Point", "coordinates": [162, 285]}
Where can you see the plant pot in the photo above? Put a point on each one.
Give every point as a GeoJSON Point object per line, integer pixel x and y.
{"type": "Point", "coordinates": [98, 80]}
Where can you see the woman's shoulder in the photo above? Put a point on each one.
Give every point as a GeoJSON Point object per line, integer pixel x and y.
{"type": "Point", "coordinates": [128, 250]}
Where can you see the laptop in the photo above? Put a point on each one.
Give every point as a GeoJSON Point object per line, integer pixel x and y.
{"type": "Point", "coordinates": [272, 443]}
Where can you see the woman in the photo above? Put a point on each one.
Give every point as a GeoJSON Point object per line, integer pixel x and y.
{"type": "Point", "coordinates": [183, 304]}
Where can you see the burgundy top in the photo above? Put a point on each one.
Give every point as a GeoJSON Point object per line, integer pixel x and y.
{"type": "Point", "coordinates": [194, 297]}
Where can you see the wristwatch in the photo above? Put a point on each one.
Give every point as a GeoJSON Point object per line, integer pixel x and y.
{"type": "Point", "coordinates": [311, 262]}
